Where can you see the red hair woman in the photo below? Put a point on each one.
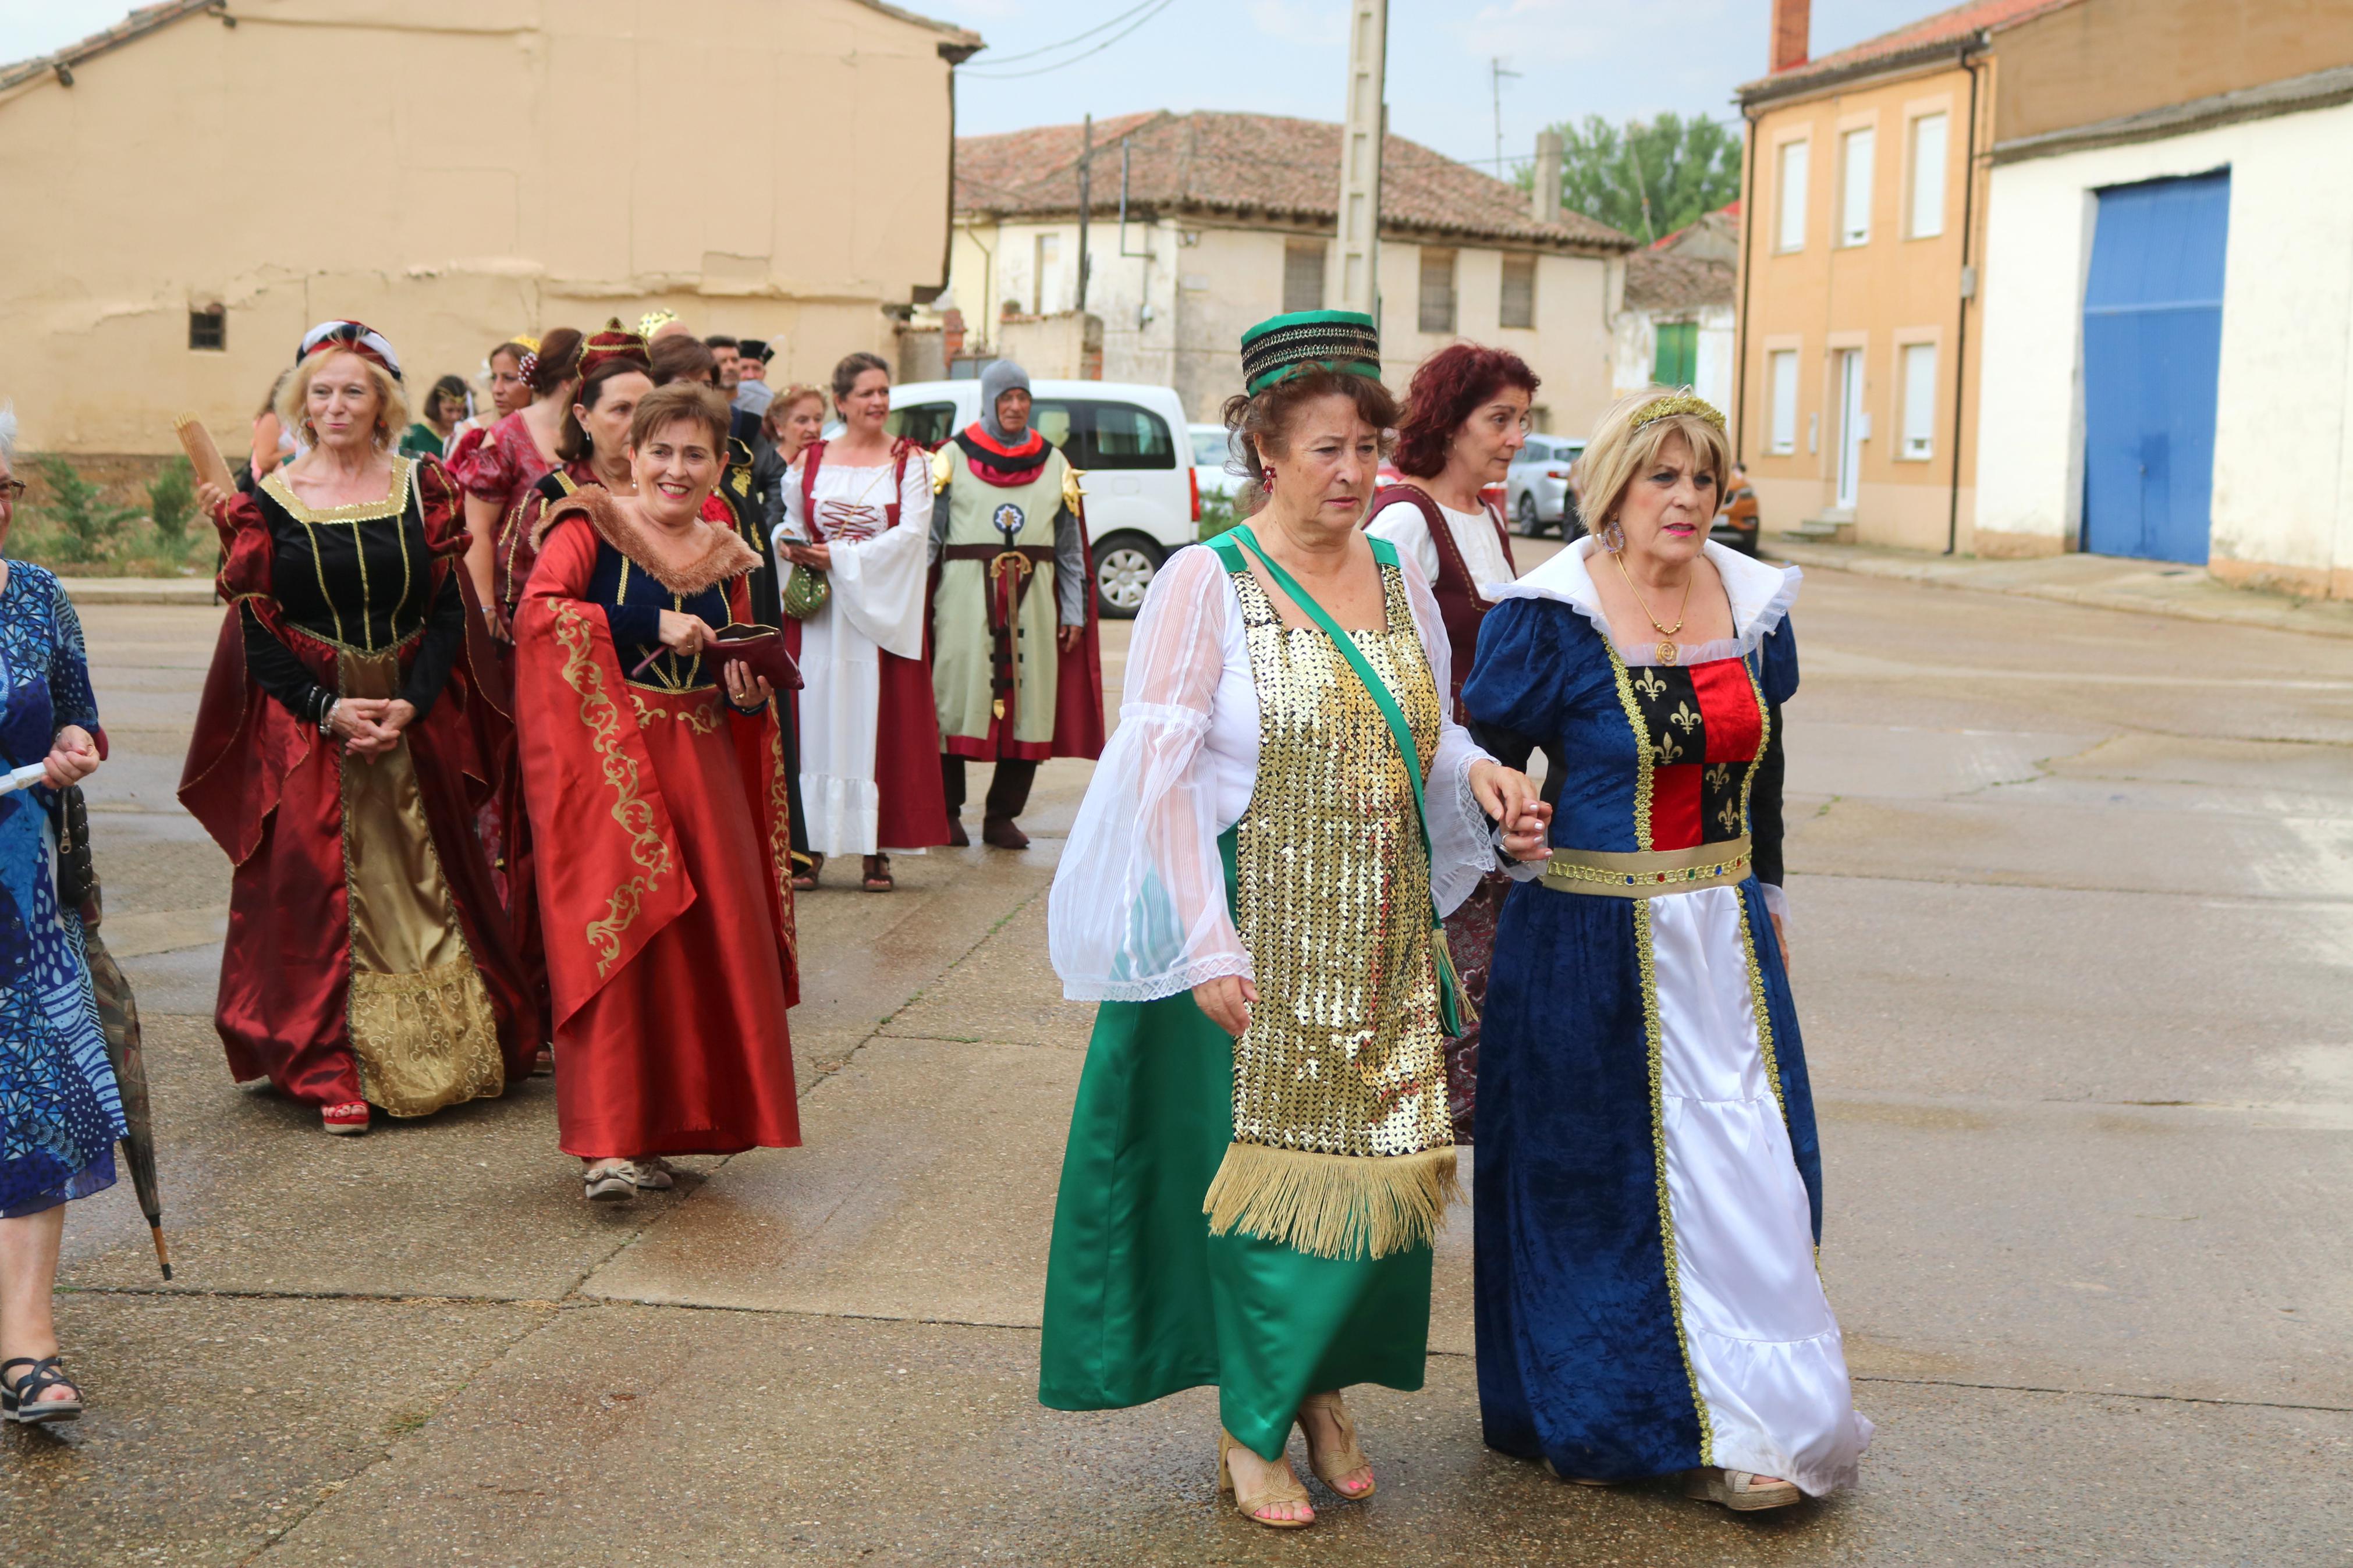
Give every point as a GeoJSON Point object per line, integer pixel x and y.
{"type": "Point", "coordinates": [1466, 418]}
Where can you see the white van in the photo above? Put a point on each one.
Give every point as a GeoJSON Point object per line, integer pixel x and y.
{"type": "Point", "coordinates": [1128, 440]}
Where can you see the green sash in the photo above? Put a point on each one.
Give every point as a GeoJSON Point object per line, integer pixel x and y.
{"type": "Point", "coordinates": [1455, 1013]}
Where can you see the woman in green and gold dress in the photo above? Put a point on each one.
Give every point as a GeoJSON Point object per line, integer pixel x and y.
{"type": "Point", "coordinates": [1261, 1152]}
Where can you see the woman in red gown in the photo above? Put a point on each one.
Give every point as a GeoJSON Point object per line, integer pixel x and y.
{"type": "Point", "coordinates": [512, 456]}
{"type": "Point", "coordinates": [669, 917]}
{"type": "Point", "coordinates": [340, 757]}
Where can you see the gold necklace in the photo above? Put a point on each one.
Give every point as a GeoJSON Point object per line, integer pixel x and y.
{"type": "Point", "coordinates": [1668, 652]}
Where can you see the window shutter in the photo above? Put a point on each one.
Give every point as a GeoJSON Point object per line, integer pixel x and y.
{"type": "Point", "coordinates": [1518, 306]}
{"type": "Point", "coordinates": [1303, 274]}
{"type": "Point", "coordinates": [1437, 291]}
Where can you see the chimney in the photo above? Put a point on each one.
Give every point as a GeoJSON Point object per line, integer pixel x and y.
{"type": "Point", "coordinates": [1546, 207]}
{"type": "Point", "coordinates": [1792, 32]}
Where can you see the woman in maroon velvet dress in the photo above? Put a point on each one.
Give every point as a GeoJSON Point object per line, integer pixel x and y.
{"type": "Point", "coordinates": [500, 470]}
{"type": "Point", "coordinates": [338, 758]}
{"type": "Point", "coordinates": [669, 917]}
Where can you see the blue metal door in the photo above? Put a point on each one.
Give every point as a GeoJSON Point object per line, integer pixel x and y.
{"type": "Point", "coordinates": [2152, 350]}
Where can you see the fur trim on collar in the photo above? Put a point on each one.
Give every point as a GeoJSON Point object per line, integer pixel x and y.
{"type": "Point", "coordinates": [701, 555]}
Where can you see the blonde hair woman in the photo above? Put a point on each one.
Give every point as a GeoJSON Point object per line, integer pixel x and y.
{"type": "Point", "coordinates": [1640, 1070]}
{"type": "Point", "coordinates": [342, 733]}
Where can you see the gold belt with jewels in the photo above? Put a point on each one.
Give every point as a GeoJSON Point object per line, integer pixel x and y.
{"type": "Point", "coordinates": [1648, 873]}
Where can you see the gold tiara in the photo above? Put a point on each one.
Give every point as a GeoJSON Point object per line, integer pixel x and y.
{"type": "Point", "coordinates": [1668, 407]}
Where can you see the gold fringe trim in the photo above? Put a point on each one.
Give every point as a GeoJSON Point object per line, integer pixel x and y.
{"type": "Point", "coordinates": [1333, 1205]}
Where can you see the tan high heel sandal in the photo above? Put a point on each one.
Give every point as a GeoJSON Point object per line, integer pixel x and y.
{"type": "Point", "coordinates": [1282, 1487]}
{"type": "Point", "coordinates": [1348, 1460]}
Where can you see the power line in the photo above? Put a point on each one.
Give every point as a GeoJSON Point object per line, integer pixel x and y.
{"type": "Point", "coordinates": [1157, 7]}
{"type": "Point", "coordinates": [1074, 39]}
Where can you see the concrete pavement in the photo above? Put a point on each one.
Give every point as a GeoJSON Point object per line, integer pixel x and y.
{"type": "Point", "coordinates": [2073, 894]}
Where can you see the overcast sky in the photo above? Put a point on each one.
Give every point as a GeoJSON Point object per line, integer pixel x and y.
{"type": "Point", "coordinates": [1620, 60]}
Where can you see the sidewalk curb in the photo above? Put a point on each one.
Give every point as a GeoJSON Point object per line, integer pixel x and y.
{"type": "Point", "coordinates": [2245, 608]}
{"type": "Point", "coordinates": [177, 592]}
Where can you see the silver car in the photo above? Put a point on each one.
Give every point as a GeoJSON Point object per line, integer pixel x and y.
{"type": "Point", "coordinates": [1537, 494]}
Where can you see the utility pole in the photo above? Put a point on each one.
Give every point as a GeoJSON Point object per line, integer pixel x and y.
{"type": "Point", "coordinates": [1495, 81]}
{"type": "Point", "coordinates": [1086, 160]}
{"type": "Point", "coordinates": [1366, 124]}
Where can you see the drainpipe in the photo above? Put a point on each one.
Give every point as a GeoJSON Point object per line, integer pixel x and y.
{"type": "Point", "coordinates": [1969, 291]}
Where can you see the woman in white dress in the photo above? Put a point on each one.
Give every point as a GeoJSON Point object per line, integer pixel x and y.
{"type": "Point", "coordinates": [858, 509]}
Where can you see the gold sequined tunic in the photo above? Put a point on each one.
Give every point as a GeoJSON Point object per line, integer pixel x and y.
{"type": "Point", "coordinates": [1341, 1142]}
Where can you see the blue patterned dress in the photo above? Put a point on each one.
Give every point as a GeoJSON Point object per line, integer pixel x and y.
{"type": "Point", "coordinates": [60, 1111]}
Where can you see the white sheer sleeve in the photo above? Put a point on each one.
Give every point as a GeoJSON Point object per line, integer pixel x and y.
{"type": "Point", "coordinates": [1462, 836]}
{"type": "Point", "coordinates": [1138, 907]}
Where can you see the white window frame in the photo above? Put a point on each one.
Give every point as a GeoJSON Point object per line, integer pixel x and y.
{"type": "Point", "coordinates": [1925, 179]}
{"type": "Point", "coordinates": [1917, 417]}
{"type": "Point", "coordinates": [1792, 163]}
{"type": "Point", "coordinates": [1855, 185]}
{"type": "Point", "coordinates": [1781, 400]}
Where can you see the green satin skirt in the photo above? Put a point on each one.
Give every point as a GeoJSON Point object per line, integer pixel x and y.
{"type": "Point", "coordinates": [1141, 1301]}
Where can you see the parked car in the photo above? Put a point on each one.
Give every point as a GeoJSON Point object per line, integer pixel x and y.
{"type": "Point", "coordinates": [1215, 467]}
{"type": "Point", "coordinates": [1143, 497]}
{"type": "Point", "coordinates": [1537, 489]}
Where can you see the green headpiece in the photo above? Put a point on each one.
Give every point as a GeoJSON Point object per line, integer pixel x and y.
{"type": "Point", "coordinates": [1281, 346]}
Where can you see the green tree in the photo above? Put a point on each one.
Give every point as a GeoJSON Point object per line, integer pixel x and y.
{"type": "Point", "coordinates": [172, 502]}
{"type": "Point", "coordinates": [87, 526]}
{"type": "Point", "coordinates": [1650, 177]}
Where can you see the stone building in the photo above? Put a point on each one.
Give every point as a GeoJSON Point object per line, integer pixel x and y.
{"type": "Point", "coordinates": [1230, 219]}
{"type": "Point", "coordinates": [190, 190]}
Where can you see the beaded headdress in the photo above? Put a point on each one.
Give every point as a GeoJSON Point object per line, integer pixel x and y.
{"type": "Point", "coordinates": [1282, 346]}
{"type": "Point", "coordinates": [1659, 408]}
{"type": "Point", "coordinates": [614, 342]}
{"type": "Point", "coordinates": [653, 321]}
{"type": "Point", "coordinates": [349, 337]}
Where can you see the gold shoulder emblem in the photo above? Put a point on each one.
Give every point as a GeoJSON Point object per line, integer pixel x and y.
{"type": "Point", "coordinates": [1073, 494]}
{"type": "Point", "coordinates": [942, 466]}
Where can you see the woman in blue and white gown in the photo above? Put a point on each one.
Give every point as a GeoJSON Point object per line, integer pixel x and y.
{"type": "Point", "coordinates": [1649, 1182]}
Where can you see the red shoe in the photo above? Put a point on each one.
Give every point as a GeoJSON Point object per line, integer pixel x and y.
{"type": "Point", "coordinates": [349, 1118]}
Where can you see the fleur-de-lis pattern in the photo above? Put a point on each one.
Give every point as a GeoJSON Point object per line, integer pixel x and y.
{"type": "Point", "coordinates": [1703, 726]}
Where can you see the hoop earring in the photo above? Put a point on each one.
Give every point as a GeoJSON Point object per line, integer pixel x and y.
{"type": "Point", "coordinates": [1613, 538]}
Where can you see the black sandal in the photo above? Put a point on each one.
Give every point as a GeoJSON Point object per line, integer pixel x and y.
{"type": "Point", "coordinates": [23, 1404]}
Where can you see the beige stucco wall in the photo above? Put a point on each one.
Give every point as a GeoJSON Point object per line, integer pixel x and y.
{"type": "Point", "coordinates": [1203, 284]}
{"type": "Point", "coordinates": [1876, 297]}
{"type": "Point", "coordinates": [453, 171]}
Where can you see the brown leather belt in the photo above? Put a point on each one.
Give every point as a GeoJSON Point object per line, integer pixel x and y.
{"type": "Point", "coordinates": [1648, 873]}
{"type": "Point", "coordinates": [1043, 554]}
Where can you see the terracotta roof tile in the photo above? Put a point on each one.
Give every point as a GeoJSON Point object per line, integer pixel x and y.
{"type": "Point", "coordinates": [143, 20]}
{"type": "Point", "coordinates": [1246, 165]}
{"type": "Point", "coordinates": [1944, 27]}
{"type": "Point", "coordinates": [1657, 280]}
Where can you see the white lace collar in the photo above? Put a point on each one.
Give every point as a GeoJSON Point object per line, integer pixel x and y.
{"type": "Point", "coordinates": [1760, 595]}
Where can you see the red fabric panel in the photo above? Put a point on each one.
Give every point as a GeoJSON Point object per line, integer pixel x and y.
{"type": "Point", "coordinates": [913, 811]}
{"type": "Point", "coordinates": [1727, 702]}
{"type": "Point", "coordinates": [1674, 806]}
{"type": "Point", "coordinates": [286, 969]}
{"type": "Point", "coordinates": [686, 1049]}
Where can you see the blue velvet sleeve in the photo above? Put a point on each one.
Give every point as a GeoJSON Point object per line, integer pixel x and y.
{"type": "Point", "coordinates": [70, 697]}
{"type": "Point", "coordinates": [1777, 669]}
{"type": "Point", "coordinates": [1513, 695]}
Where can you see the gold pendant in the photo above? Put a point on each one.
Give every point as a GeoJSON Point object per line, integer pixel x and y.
{"type": "Point", "coordinates": [1667, 652]}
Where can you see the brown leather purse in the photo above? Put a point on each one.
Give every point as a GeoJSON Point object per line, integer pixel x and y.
{"type": "Point", "coordinates": [760, 649]}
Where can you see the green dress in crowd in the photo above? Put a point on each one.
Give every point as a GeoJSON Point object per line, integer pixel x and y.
{"type": "Point", "coordinates": [1320, 1138]}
